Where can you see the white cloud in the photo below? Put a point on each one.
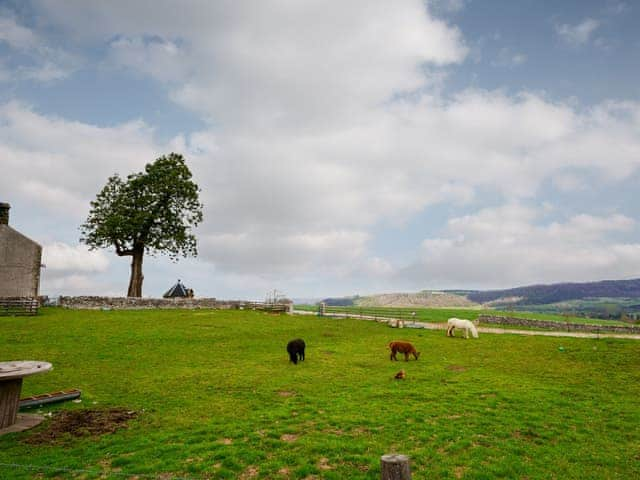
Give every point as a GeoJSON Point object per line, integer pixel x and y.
{"type": "Point", "coordinates": [60, 257]}
{"type": "Point", "coordinates": [78, 284]}
{"type": "Point", "coordinates": [310, 140]}
{"type": "Point", "coordinates": [276, 63]}
{"type": "Point", "coordinates": [294, 253]}
{"type": "Point", "coordinates": [60, 164]}
{"type": "Point", "coordinates": [44, 64]}
{"type": "Point", "coordinates": [514, 245]}
{"type": "Point", "coordinates": [75, 270]}
{"type": "Point", "coordinates": [160, 58]}
{"type": "Point", "coordinates": [16, 35]}
{"type": "Point", "coordinates": [578, 34]}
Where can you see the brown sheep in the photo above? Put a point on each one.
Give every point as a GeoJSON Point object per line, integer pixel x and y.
{"type": "Point", "coordinates": [403, 347]}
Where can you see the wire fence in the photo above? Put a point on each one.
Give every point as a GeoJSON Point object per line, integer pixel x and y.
{"type": "Point", "coordinates": [375, 313]}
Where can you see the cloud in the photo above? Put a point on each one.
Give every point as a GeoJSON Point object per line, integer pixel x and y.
{"type": "Point", "coordinates": [508, 58]}
{"type": "Point", "coordinates": [78, 284]}
{"type": "Point", "coordinates": [276, 63]}
{"type": "Point", "coordinates": [157, 57]}
{"type": "Point", "coordinates": [579, 34]}
{"type": "Point", "coordinates": [320, 127]}
{"type": "Point", "coordinates": [16, 36]}
{"type": "Point", "coordinates": [294, 253]}
{"type": "Point", "coordinates": [515, 245]}
{"type": "Point", "coordinates": [38, 149]}
{"type": "Point", "coordinates": [60, 257]}
{"type": "Point", "coordinates": [75, 270]}
{"type": "Point", "coordinates": [33, 59]}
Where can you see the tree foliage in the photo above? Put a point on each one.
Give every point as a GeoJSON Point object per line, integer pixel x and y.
{"type": "Point", "coordinates": [149, 212]}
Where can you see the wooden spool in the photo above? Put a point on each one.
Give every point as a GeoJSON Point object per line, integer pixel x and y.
{"type": "Point", "coordinates": [9, 399]}
{"type": "Point", "coordinates": [395, 467]}
{"type": "Point", "coordinates": [11, 375]}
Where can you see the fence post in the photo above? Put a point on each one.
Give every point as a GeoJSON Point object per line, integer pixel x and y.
{"type": "Point", "coordinates": [395, 467]}
{"type": "Point", "coordinates": [323, 309]}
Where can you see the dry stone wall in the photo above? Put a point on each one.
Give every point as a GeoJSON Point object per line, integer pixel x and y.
{"type": "Point", "coordinates": [569, 327]}
{"type": "Point", "coordinates": [122, 303]}
{"type": "Point", "coordinates": [127, 303]}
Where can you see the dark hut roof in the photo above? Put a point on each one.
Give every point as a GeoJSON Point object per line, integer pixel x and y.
{"type": "Point", "coordinates": [178, 290]}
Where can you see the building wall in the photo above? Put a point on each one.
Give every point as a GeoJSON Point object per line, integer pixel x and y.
{"type": "Point", "coordinates": [20, 261]}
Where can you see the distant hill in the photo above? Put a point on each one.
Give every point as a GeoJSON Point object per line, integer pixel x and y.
{"type": "Point", "coordinates": [559, 292]}
{"type": "Point", "coordinates": [425, 298]}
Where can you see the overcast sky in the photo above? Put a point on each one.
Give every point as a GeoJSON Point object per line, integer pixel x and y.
{"type": "Point", "coordinates": [341, 147]}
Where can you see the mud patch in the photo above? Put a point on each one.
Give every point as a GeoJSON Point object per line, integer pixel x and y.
{"type": "Point", "coordinates": [250, 472]}
{"type": "Point", "coordinates": [456, 368]}
{"type": "Point", "coordinates": [458, 472]}
{"type": "Point", "coordinates": [527, 435]}
{"type": "Point", "coordinates": [323, 464]}
{"type": "Point", "coordinates": [289, 437]}
{"type": "Point", "coordinates": [81, 423]}
{"type": "Point", "coordinates": [285, 393]}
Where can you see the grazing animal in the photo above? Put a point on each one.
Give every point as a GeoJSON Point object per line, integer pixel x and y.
{"type": "Point", "coordinates": [400, 375]}
{"type": "Point", "coordinates": [403, 347]}
{"type": "Point", "coordinates": [466, 325]}
{"type": "Point", "coordinates": [295, 349]}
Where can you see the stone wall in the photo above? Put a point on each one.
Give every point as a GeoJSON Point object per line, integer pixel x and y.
{"type": "Point", "coordinates": [565, 326]}
{"type": "Point", "coordinates": [126, 303]}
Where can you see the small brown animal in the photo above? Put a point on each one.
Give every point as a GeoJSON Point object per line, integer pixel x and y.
{"type": "Point", "coordinates": [400, 375]}
{"type": "Point", "coordinates": [403, 347]}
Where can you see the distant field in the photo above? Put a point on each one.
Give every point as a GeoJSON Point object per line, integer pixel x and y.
{"type": "Point", "coordinates": [442, 314]}
{"type": "Point", "coordinates": [601, 306]}
{"type": "Point", "coordinates": [217, 398]}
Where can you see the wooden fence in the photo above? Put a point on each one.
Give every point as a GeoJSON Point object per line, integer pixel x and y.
{"type": "Point", "coordinates": [267, 307]}
{"type": "Point", "coordinates": [15, 306]}
{"type": "Point", "coordinates": [382, 313]}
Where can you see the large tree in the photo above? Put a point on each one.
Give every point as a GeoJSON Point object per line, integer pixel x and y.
{"type": "Point", "coordinates": [151, 211]}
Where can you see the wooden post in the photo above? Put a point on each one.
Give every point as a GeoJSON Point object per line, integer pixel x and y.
{"type": "Point", "coordinates": [395, 467]}
{"type": "Point", "coordinates": [9, 401]}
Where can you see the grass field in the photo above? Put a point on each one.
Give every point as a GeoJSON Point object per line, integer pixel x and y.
{"type": "Point", "coordinates": [217, 398]}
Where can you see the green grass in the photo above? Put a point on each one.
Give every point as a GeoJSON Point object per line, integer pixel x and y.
{"type": "Point", "coordinates": [217, 395]}
{"type": "Point", "coordinates": [442, 314]}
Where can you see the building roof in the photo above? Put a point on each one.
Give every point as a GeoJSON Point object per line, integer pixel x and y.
{"type": "Point", "coordinates": [178, 290]}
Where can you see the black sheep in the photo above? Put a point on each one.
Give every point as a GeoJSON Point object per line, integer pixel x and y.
{"type": "Point", "coordinates": [295, 348]}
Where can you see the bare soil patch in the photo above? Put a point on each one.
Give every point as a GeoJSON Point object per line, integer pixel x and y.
{"type": "Point", "coordinates": [250, 472]}
{"type": "Point", "coordinates": [285, 393]}
{"type": "Point", "coordinates": [456, 368]}
{"type": "Point", "coordinates": [80, 423]}
{"type": "Point", "coordinates": [323, 464]}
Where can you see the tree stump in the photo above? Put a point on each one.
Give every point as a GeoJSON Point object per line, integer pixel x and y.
{"type": "Point", "coordinates": [395, 467]}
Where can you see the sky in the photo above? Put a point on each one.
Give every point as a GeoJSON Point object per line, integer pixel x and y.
{"type": "Point", "coordinates": [341, 147]}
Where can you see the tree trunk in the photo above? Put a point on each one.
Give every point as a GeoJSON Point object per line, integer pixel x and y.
{"type": "Point", "coordinates": [135, 281]}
